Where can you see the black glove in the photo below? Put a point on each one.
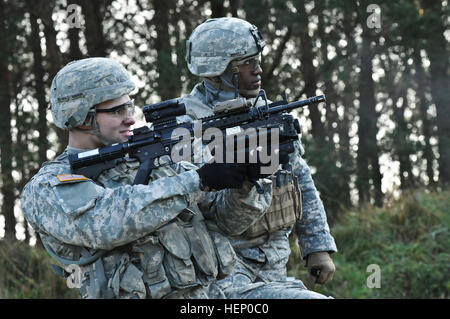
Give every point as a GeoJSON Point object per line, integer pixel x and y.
{"type": "Point", "coordinates": [217, 176]}
{"type": "Point", "coordinates": [254, 169]}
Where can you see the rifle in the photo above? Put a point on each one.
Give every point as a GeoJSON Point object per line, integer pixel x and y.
{"type": "Point", "coordinates": [148, 144]}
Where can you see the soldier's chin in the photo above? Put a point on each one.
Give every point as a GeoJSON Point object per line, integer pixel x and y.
{"type": "Point", "coordinates": [250, 93]}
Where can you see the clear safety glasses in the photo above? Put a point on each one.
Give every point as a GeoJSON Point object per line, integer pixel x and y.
{"type": "Point", "coordinates": [253, 62]}
{"type": "Point", "coordinates": [123, 110]}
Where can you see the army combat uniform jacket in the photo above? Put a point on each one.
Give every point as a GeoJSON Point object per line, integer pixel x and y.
{"type": "Point", "coordinates": [138, 241]}
{"type": "Point", "coordinates": [263, 250]}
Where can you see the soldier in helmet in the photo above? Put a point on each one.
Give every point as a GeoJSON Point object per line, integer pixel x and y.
{"type": "Point", "coordinates": [117, 240]}
{"type": "Point", "coordinates": [226, 53]}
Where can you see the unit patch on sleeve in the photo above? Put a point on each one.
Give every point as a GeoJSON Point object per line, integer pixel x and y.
{"type": "Point", "coordinates": [70, 177]}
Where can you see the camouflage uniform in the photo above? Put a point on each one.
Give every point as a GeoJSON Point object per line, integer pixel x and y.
{"type": "Point", "coordinates": [261, 268]}
{"type": "Point", "coordinates": [76, 218]}
{"type": "Point", "coordinates": [135, 241]}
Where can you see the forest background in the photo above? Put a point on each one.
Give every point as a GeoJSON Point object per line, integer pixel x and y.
{"type": "Point", "coordinates": [379, 149]}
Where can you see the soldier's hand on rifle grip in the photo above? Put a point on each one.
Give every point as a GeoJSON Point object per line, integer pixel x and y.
{"type": "Point", "coordinates": [218, 176]}
{"type": "Point", "coordinates": [254, 170]}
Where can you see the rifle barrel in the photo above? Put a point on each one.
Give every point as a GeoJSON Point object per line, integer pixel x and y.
{"type": "Point", "coordinates": [290, 106]}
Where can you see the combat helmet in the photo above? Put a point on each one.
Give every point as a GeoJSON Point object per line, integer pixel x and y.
{"type": "Point", "coordinates": [219, 41]}
{"type": "Point", "coordinates": [81, 84]}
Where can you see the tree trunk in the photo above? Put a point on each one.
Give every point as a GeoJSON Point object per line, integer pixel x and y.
{"type": "Point", "coordinates": [234, 5]}
{"type": "Point", "coordinates": [421, 81]}
{"type": "Point", "coordinates": [74, 39]}
{"type": "Point", "coordinates": [337, 195]}
{"type": "Point", "coordinates": [267, 77]}
{"type": "Point", "coordinates": [345, 157]}
{"type": "Point", "coordinates": [169, 84]}
{"type": "Point", "coordinates": [330, 93]}
{"type": "Point", "coordinates": [53, 55]}
{"type": "Point", "coordinates": [7, 186]}
{"type": "Point", "coordinates": [348, 96]}
{"type": "Point", "coordinates": [96, 42]}
{"type": "Point", "coordinates": [400, 144]}
{"type": "Point", "coordinates": [367, 126]}
{"type": "Point", "coordinates": [217, 8]}
{"type": "Point", "coordinates": [38, 71]}
{"type": "Point", "coordinates": [308, 72]}
{"type": "Point", "coordinates": [437, 50]}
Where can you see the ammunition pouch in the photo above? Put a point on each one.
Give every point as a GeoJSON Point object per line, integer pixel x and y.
{"type": "Point", "coordinates": [179, 256]}
{"type": "Point", "coordinates": [286, 207]}
{"type": "Point", "coordinates": [183, 254]}
{"type": "Point", "coordinates": [177, 259]}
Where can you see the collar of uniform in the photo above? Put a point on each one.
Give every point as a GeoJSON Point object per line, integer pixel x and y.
{"type": "Point", "coordinates": [219, 85]}
{"type": "Point", "coordinates": [73, 150]}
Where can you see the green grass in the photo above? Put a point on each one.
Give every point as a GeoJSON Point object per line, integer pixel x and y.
{"type": "Point", "coordinates": [26, 273]}
{"type": "Point", "coordinates": [409, 240]}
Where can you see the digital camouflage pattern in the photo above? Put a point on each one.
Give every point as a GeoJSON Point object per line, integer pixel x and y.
{"type": "Point", "coordinates": [208, 50]}
{"type": "Point", "coordinates": [123, 240]}
{"type": "Point", "coordinates": [246, 284]}
{"type": "Point", "coordinates": [263, 259]}
{"type": "Point", "coordinates": [156, 236]}
{"type": "Point", "coordinates": [81, 84]}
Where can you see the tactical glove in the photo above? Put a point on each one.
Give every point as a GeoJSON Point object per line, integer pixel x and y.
{"type": "Point", "coordinates": [321, 266]}
{"type": "Point", "coordinates": [254, 169]}
{"type": "Point", "coordinates": [217, 176]}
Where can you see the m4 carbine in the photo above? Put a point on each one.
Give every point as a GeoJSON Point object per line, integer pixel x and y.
{"type": "Point", "coordinates": [148, 144]}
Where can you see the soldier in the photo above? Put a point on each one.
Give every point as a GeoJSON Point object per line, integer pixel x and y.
{"type": "Point", "coordinates": [226, 53]}
{"type": "Point", "coordinates": [123, 240]}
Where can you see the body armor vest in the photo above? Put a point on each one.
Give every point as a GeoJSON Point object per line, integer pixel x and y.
{"type": "Point", "coordinates": [285, 209]}
{"type": "Point", "coordinates": [177, 259]}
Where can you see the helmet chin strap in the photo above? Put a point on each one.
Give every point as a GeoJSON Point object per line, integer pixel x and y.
{"type": "Point", "coordinates": [245, 93]}
{"type": "Point", "coordinates": [236, 84]}
{"type": "Point", "coordinates": [235, 80]}
{"type": "Point", "coordinates": [96, 132]}
{"type": "Point", "coordinates": [233, 85]}
{"type": "Point", "coordinates": [93, 128]}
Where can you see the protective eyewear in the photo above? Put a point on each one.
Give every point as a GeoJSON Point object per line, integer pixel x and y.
{"type": "Point", "coordinates": [252, 62]}
{"type": "Point", "coordinates": [123, 110]}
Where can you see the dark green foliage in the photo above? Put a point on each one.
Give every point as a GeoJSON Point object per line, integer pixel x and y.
{"type": "Point", "coordinates": [26, 273]}
{"type": "Point", "coordinates": [409, 239]}
{"type": "Point", "coordinates": [328, 166]}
